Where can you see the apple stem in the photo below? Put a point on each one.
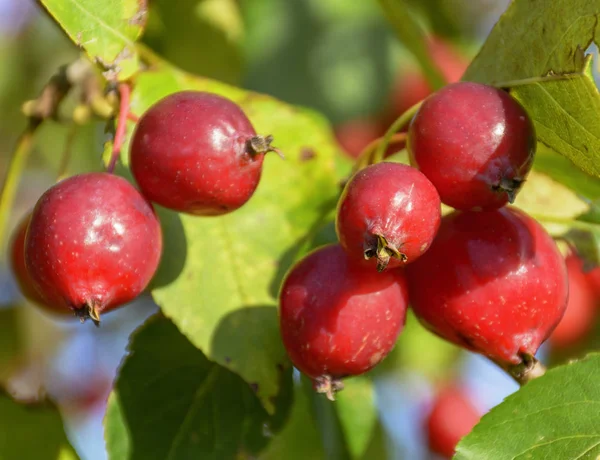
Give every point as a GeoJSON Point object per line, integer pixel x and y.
{"type": "Point", "coordinates": [528, 369]}
{"type": "Point", "coordinates": [89, 311]}
{"type": "Point", "coordinates": [384, 251]}
{"type": "Point", "coordinates": [262, 144]}
{"type": "Point", "coordinates": [510, 187]}
{"type": "Point", "coordinates": [124, 98]}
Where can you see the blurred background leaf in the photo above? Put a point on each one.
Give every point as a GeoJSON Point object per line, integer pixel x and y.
{"type": "Point", "coordinates": [32, 430]}
{"type": "Point", "coordinates": [11, 342]}
{"type": "Point", "coordinates": [203, 37]}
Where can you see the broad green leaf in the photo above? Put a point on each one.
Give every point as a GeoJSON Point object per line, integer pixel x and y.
{"type": "Point", "coordinates": [171, 402]}
{"type": "Point", "coordinates": [586, 237]}
{"type": "Point", "coordinates": [357, 413]}
{"type": "Point", "coordinates": [180, 31]}
{"type": "Point", "coordinates": [537, 49]}
{"type": "Point", "coordinates": [301, 54]}
{"type": "Point", "coordinates": [219, 277]}
{"type": "Point", "coordinates": [84, 144]}
{"type": "Point", "coordinates": [326, 418]}
{"type": "Point", "coordinates": [565, 114]}
{"type": "Point", "coordinates": [553, 417]}
{"type": "Point", "coordinates": [349, 427]}
{"type": "Point", "coordinates": [564, 171]}
{"type": "Point", "coordinates": [302, 438]}
{"type": "Point", "coordinates": [299, 439]}
{"type": "Point", "coordinates": [32, 431]}
{"type": "Point", "coordinates": [105, 29]}
{"type": "Point", "coordinates": [544, 197]}
{"type": "Point", "coordinates": [10, 341]}
{"type": "Point", "coordinates": [379, 447]}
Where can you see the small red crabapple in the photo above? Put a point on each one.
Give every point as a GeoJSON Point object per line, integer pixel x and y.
{"type": "Point", "coordinates": [388, 215]}
{"type": "Point", "coordinates": [93, 244]}
{"type": "Point", "coordinates": [338, 318]}
{"type": "Point", "coordinates": [475, 143]}
{"type": "Point", "coordinates": [197, 152]}
{"type": "Point", "coordinates": [493, 282]}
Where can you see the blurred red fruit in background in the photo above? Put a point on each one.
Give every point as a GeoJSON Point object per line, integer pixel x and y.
{"type": "Point", "coordinates": [354, 135]}
{"type": "Point", "coordinates": [452, 416]}
{"type": "Point", "coordinates": [581, 307]}
{"type": "Point", "coordinates": [412, 86]}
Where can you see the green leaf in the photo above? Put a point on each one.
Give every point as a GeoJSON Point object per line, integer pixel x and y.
{"type": "Point", "coordinates": [32, 430]}
{"type": "Point", "coordinates": [302, 438]}
{"type": "Point", "coordinates": [299, 439]}
{"type": "Point", "coordinates": [587, 240]}
{"type": "Point", "coordinates": [537, 49]}
{"type": "Point", "coordinates": [411, 35]}
{"type": "Point", "coordinates": [301, 54]}
{"type": "Point", "coordinates": [325, 417]}
{"type": "Point", "coordinates": [10, 341]}
{"type": "Point", "coordinates": [357, 413]}
{"type": "Point", "coordinates": [170, 402]}
{"type": "Point", "coordinates": [84, 143]}
{"type": "Point", "coordinates": [219, 277]}
{"type": "Point", "coordinates": [180, 31]}
{"type": "Point", "coordinates": [544, 197]}
{"type": "Point", "coordinates": [565, 114]}
{"type": "Point", "coordinates": [105, 29]}
{"type": "Point", "coordinates": [554, 416]}
{"type": "Point", "coordinates": [564, 171]}
{"type": "Point", "coordinates": [441, 16]}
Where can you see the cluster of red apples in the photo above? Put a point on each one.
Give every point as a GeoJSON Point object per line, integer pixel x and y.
{"type": "Point", "coordinates": [93, 241]}
{"type": "Point", "coordinates": [486, 277]}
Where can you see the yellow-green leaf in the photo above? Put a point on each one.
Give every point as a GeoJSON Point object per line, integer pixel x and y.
{"type": "Point", "coordinates": [537, 49]}
{"type": "Point", "coordinates": [105, 29]}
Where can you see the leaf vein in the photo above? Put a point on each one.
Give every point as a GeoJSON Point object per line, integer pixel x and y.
{"type": "Point", "coordinates": [189, 417]}
{"type": "Point", "coordinates": [102, 23]}
{"type": "Point", "coordinates": [512, 420]}
{"type": "Point", "coordinates": [564, 438]}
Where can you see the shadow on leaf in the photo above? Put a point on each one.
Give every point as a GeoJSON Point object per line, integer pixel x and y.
{"type": "Point", "coordinates": [174, 248]}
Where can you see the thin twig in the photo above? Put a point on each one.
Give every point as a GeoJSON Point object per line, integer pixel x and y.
{"type": "Point", "coordinates": [401, 122]}
{"type": "Point", "coordinates": [14, 172]}
{"type": "Point", "coordinates": [67, 152]}
{"type": "Point", "coordinates": [367, 155]}
{"type": "Point", "coordinates": [124, 97]}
